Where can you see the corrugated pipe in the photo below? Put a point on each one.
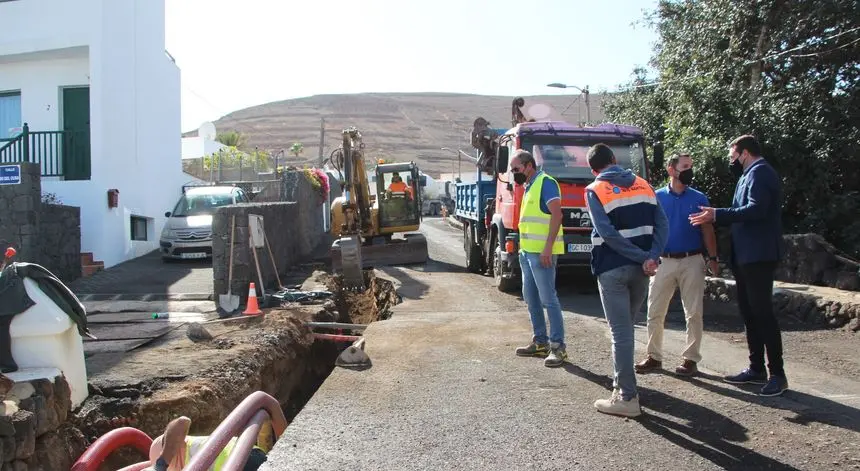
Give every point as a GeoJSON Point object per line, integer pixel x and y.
{"type": "Point", "coordinates": [95, 455]}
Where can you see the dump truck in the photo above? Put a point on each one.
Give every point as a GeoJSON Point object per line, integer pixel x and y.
{"type": "Point", "coordinates": [489, 207]}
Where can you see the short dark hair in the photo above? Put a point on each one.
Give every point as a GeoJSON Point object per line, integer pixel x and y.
{"type": "Point", "coordinates": [673, 161]}
{"type": "Point", "coordinates": [525, 157]}
{"type": "Point", "coordinates": [600, 156]}
{"type": "Point", "coordinates": [747, 143]}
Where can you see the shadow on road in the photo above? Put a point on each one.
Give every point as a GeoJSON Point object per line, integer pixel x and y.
{"type": "Point", "coordinates": [808, 408]}
{"type": "Point", "coordinates": [697, 428]}
{"type": "Point", "coordinates": [147, 274]}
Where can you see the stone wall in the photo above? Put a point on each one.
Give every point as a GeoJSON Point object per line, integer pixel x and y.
{"type": "Point", "coordinates": [60, 240]}
{"type": "Point", "coordinates": [294, 227]}
{"type": "Point", "coordinates": [820, 308]}
{"type": "Point", "coordinates": [47, 234]}
{"type": "Point", "coordinates": [33, 435]}
{"type": "Point", "coordinates": [811, 260]}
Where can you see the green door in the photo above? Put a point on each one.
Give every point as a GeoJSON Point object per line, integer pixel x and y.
{"type": "Point", "coordinates": [76, 133]}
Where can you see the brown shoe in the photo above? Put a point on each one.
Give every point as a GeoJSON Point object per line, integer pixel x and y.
{"type": "Point", "coordinates": [688, 368]}
{"type": "Point", "coordinates": [648, 364]}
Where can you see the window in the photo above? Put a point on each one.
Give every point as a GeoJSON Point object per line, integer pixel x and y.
{"type": "Point", "coordinates": [10, 114]}
{"type": "Point", "coordinates": [138, 228]}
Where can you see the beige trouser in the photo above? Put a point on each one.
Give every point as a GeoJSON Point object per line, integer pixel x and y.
{"type": "Point", "coordinates": [688, 275]}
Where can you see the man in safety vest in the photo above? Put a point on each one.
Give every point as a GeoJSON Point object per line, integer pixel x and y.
{"type": "Point", "coordinates": [630, 232]}
{"type": "Point", "coordinates": [398, 186]}
{"type": "Point", "coordinates": [541, 242]}
{"type": "Point", "coordinates": [173, 450]}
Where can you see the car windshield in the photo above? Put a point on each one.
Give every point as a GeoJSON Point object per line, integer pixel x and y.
{"type": "Point", "coordinates": [201, 203]}
{"type": "Point", "coordinates": [566, 160]}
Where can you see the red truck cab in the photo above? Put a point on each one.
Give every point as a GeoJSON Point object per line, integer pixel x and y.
{"type": "Point", "coordinates": [560, 149]}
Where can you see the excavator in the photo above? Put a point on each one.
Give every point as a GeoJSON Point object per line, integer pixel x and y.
{"type": "Point", "coordinates": [365, 225]}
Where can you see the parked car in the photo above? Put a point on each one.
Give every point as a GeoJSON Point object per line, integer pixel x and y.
{"type": "Point", "coordinates": [187, 233]}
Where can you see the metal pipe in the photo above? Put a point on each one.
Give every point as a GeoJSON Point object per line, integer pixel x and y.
{"type": "Point", "coordinates": [337, 338]}
{"type": "Point", "coordinates": [239, 456]}
{"type": "Point", "coordinates": [95, 455]}
{"type": "Point", "coordinates": [234, 422]}
{"type": "Point", "coordinates": [335, 325]}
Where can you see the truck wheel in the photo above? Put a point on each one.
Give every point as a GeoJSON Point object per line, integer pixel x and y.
{"type": "Point", "coordinates": [473, 253]}
{"type": "Point", "coordinates": [505, 285]}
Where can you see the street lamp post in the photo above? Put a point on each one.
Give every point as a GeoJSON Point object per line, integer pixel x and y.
{"type": "Point", "coordinates": [459, 160]}
{"type": "Point", "coordinates": [583, 91]}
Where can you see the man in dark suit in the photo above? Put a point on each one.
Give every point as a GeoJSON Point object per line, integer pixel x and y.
{"type": "Point", "coordinates": [757, 248]}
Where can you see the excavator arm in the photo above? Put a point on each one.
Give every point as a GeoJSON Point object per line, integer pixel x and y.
{"type": "Point", "coordinates": [356, 208]}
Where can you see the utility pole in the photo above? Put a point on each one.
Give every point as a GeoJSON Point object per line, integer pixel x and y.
{"type": "Point", "coordinates": [322, 140]}
{"type": "Point", "coordinates": [587, 106]}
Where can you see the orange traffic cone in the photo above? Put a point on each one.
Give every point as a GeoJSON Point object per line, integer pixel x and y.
{"type": "Point", "coordinates": [253, 309]}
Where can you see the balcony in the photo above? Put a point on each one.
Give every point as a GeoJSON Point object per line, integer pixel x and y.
{"type": "Point", "coordinates": [63, 154]}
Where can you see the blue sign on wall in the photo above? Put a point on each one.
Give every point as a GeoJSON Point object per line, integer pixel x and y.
{"type": "Point", "coordinates": [10, 174]}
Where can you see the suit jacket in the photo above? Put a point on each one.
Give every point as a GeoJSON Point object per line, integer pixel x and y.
{"type": "Point", "coordinates": [755, 216]}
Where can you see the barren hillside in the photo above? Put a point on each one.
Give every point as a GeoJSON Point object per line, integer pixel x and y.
{"type": "Point", "coordinates": [398, 126]}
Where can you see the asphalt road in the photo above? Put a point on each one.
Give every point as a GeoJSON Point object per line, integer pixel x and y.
{"type": "Point", "coordinates": [148, 278]}
{"type": "Point", "coordinates": [447, 392]}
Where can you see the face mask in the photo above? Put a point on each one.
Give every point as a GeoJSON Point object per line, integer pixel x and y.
{"type": "Point", "coordinates": [737, 168]}
{"type": "Point", "coordinates": [520, 178]}
{"type": "Point", "coordinates": [686, 176]}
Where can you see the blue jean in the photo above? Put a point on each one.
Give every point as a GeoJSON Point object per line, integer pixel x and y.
{"type": "Point", "coordinates": [539, 294]}
{"type": "Point", "coordinates": [622, 292]}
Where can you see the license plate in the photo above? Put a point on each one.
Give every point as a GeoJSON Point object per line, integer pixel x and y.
{"type": "Point", "coordinates": [573, 248]}
{"type": "Point", "coordinates": [194, 255]}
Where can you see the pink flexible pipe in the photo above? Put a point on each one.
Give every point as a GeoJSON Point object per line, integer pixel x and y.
{"type": "Point", "coordinates": [336, 337]}
{"type": "Point", "coordinates": [235, 422]}
{"type": "Point", "coordinates": [239, 456]}
{"type": "Point", "coordinates": [95, 455]}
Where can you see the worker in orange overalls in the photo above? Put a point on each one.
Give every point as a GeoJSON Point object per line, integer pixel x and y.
{"type": "Point", "coordinates": [398, 186]}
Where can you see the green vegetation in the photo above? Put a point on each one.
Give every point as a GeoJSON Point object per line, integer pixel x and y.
{"type": "Point", "coordinates": [786, 72]}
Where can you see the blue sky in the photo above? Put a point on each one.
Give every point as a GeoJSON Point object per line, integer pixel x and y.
{"type": "Point", "coordinates": [234, 56]}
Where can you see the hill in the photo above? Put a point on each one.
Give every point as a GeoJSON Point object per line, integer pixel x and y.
{"type": "Point", "coordinates": [397, 126]}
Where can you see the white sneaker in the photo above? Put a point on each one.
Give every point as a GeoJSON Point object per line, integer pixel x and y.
{"type": "Point", "coordinates": [615, 405]}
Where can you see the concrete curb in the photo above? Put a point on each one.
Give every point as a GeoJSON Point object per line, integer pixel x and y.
{"type": "Point", "coordinates": [454, 223]}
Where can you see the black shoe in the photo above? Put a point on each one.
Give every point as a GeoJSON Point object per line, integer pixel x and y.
{"type": "Point", "coordinates": [747, 376]}
{"type": "Point", "coordinates": [775, 386]}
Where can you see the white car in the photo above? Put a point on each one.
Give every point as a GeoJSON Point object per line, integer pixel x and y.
{"type": "Point", "coordinates": [187, 233]}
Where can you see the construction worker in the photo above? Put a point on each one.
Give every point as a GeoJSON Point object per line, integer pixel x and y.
{"type": "Point", "coordinates": [173, 450]}
{"type": "Point", "coordinates": [630, 231]}
{"type": "Point", "coordinates": [541, 242]}
{"type": "Point", "coordinates": [398, 186]}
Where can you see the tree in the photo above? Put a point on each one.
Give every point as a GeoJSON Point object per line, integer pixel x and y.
{"type": "Point", "coordinates": [297, 148]}
{"type": "Point", "coordinates": [786, 72]}
{"type": "Point", "coordinates": [231, 139]}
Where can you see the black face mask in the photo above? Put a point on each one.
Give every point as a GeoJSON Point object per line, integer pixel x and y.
{"type": "Point", "coordinates": [520, 178]}
{"type": "Point", "coordinates": [686, 176]}
{"type": "Point", "coordinates": [737, 168]}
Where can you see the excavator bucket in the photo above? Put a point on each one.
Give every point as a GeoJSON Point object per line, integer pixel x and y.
{"type": "Point", "coordinates": [411, 249]}
{"type": "Point", "coordinates": [346, 257]}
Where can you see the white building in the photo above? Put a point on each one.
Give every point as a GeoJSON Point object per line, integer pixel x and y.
{"type": "Point", "coordinates": [101, 97]}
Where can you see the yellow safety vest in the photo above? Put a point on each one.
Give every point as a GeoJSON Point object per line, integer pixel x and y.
{"type": "Point", "coordinates": [534, 223]}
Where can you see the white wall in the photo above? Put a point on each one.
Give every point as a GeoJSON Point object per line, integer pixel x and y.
{"type": "Point", "coordinates": [134, 119]}
{"type": "Point", "coordinates": [39, 25]}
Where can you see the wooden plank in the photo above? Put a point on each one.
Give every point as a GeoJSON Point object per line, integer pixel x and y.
{"type": "Point", "coordinates": [113, 346]}
{"type": "Point", "coordinates": [130, 330]}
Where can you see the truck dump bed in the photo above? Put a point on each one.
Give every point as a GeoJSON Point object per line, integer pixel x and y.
{"type": "Point", "coordinates": [472, 199]}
